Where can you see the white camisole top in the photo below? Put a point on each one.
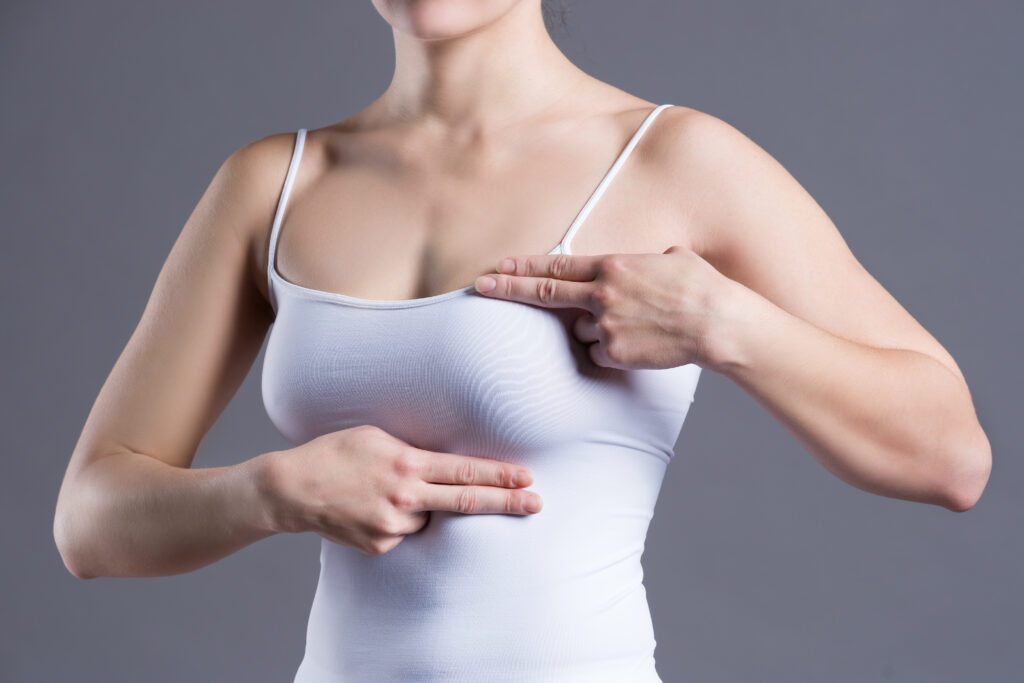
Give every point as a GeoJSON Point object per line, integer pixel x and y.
{"type": "Point", "coordinates": [551, 597]}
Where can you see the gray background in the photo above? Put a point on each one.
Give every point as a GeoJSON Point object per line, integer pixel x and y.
{"type": "Point", "coordinates": [901, 119]}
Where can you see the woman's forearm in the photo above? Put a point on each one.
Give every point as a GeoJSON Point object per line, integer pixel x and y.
{"type": "Point", "coordinates": [129, 514]}
{"type": "Point", "coordinates": [894, 422]}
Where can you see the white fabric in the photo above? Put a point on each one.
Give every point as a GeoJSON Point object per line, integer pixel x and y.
{"type": "Point", "coordinates": [552, 597]}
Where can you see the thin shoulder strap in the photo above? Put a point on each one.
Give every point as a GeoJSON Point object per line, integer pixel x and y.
{"type": "Point", "coordinates": [608, 176]}
{"type": "Point", "coordinates": [282, 202]}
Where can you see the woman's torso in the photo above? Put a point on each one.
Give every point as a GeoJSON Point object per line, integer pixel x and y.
{"type": "Point", "coordinates": [557, 596]}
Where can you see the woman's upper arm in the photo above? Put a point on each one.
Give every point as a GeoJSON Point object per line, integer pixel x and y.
{"type": "Point", "coordinates": [757, 225]}
{"type": "Point", "coordinates": [203, 324]}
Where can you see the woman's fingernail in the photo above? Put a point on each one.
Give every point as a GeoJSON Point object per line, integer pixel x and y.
{"type": "Point", "coordinates": [533, 504]}
{"type": "Point", "coordinates": [484, 283]}
{"type": "Point", "coordinates": [507, 266]}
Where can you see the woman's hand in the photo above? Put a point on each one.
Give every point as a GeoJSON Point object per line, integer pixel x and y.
{"type": "Point", "coordinates": [641, 310]}
{"type": "Point", "coordinates": [367, 489]}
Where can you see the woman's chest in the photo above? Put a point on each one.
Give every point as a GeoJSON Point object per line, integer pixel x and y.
{"type": "Point", "coordinates": [468, 371]}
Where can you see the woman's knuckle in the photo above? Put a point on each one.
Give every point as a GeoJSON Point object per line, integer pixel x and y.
{"type": "Point", "coordinates": [387, 524]}
{"type": "Point", "coordinates": [466, 472]}
{"type": "Point", "coordinates": [603, 294]}
{"type": "Point", "coordinates": [505, 286]}
{"type": "Point", "coordinates": [403, 499]}
{"type": "Point", "coordinates": [377, 517]}
{"type": "Point", "coordinates": [466, 501]}
{"type": "Point", "coordinates": [505, 477]}
{"type": "Point", "coordinates": [546, 289]}
{"type": "Point", "coordinates": [368, 429]}
{"type": "Point", "coordinates": [613, 263]}
{"type": "Point", "coordinates": [378, 545]}
{"type": "Point", "coordinates": [615, 351]}
{"type": "Point", "coordinates": [406, 462]}
{"type": "Point", "coordinates": [559, 265]}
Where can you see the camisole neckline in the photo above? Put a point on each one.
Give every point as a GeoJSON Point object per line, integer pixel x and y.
{"type": "Point", "coordinates": [345, 300]}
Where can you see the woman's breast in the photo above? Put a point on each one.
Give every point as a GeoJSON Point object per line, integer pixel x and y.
{"type": "Point", "coordinates": [471, 375]}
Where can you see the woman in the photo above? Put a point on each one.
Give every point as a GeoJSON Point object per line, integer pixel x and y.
{"type": "Point", "coordinates": [415, 401]}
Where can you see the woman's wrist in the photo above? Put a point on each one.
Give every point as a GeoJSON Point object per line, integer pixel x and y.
{"type": "Point", "coordinates": [258, 499]}
{"type": "Point", "coordinates": [737, 312]}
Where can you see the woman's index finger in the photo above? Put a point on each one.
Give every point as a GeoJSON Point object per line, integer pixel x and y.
{"type": "Point", "coordinates": [454, 468]}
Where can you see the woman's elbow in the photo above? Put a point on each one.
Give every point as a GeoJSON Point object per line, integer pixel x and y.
{"type": "Point", "coordinates": [967, 485]}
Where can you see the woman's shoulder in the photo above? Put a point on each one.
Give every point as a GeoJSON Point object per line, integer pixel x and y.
{"type": "Point", "coordinates": [248, 185]}
{"type": "Point", "coordinates": [685, 134]}
{"type": "Point", "coordinates": [710, 170]}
